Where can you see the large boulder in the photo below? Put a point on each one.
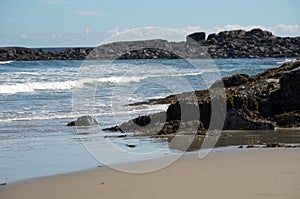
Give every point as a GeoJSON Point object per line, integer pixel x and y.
{"type": "Point", "coordinates": [196, 37]}
{"type": "Point", "coordinates": [83, 121]}
{"type": "Point", "coordinates": [142, 120]}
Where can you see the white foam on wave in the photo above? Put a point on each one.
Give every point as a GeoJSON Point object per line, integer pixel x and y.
{"type": "Point", "coordinates": [187, 74]}
{"type": "Point", "coordinates": [31, 87]}
{"type": "Point", "coordinates": [6, 62]}
{"type": "Point", "coordinates": [142, 109]}
{"type": "Point", "coordinates": [28, 73]}
{"type": "Point", "coordinates": [286, 61]}
{"type": "Point", "coordinates": [35, 118]}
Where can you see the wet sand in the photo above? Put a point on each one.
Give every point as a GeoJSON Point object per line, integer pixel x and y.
{"type": "Point", "coordinates": [261, 138]}
{"type": "Point", "coordinates": [244, 173]}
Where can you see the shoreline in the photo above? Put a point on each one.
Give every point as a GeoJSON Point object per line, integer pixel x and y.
{"type": "Point", "coordinates": [226, 145]}
{"type": "Point", "coordinates": [244, 173]}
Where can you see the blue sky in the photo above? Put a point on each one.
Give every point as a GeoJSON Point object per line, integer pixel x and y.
{"type": "Point", "coordinates": [35, 23]}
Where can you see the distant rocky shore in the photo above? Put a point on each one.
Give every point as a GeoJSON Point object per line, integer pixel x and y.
{"type": "Point", "coordinates": [261, 102]}
{"type": "Point", "coordinates": [226, 44]}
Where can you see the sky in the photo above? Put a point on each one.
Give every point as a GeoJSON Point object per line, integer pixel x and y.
{"type": "Point", "coordinates": [57, 23]}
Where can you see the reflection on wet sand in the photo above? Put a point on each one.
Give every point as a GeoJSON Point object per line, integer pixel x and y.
{"type": "Point", "coordinates": [236, 138]}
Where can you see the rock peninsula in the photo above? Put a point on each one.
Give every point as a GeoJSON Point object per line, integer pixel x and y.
{"type": "Point", "coordinates": [255, 43]}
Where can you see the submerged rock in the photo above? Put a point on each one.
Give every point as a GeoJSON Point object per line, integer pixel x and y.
{"type": "Point", "coordinates": [131, 145]}
{"type": "Point", "coordinates": [83, 121]}
{"type": "Point", "coordinates": [114, 129]}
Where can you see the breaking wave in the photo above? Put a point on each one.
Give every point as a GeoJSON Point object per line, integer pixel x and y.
{"type": "Point", "coordinates": [30, 87]}
{"type": "Point", "coordinates": [6, 62]}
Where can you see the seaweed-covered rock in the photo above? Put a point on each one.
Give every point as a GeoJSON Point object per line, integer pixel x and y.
{"type": "Point", "coordinates": [238, 120]}
{"type": "Point", "coordinates": [288, 120]}
{"type": "Point", "coordinates": [236, 80]}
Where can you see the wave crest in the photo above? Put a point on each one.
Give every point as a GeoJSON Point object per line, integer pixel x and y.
{"type": "Point", "coordinates": [6, 62]}
{"type": "Point", "coordinates": [31, 87]}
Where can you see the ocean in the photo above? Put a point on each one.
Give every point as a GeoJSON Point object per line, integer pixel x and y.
{"type": "Point", "coordinates": [39, 98]}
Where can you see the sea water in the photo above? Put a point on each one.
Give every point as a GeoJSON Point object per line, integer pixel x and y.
{"type": "Point", "coordinates": [38, 99]}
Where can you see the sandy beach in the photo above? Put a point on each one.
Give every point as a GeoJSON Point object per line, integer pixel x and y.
{"type": "Point", "coordinates": [245, 173]}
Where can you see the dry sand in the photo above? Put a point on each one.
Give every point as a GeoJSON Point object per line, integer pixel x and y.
{"type": "Point", "coordinates": [247, 173]}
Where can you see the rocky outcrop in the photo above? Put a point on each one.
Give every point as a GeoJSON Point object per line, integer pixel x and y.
{"type": "Point", "coordinates": [225, 44]}
{"type": "Point", "coordinates": [28, 54]}
{"type": "Point", "coordinates": [249, 44]}
{"type": "Point", "coordinates": [261, 102]}
{"type": "Point", "coordinates": [83, 121]}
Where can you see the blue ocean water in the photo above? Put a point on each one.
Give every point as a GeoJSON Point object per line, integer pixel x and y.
{"type": "Point", "coordinates": [38, 99]}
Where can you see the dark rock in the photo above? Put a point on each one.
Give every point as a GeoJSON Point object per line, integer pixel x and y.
{"type": "Point", "coordinates": [290, 90]}
{"type": "Point", "coordinates": [236, 80]}
{"type": "Point", "coordinates": [131, 145]}
{"type": "Point", "coordinates": [142, 120]}
{"type": "Point", "coordinates": [184, 111]}
{"type": "Point", "coordinates": [113, 129]}
{"type": "Point", "coordinates": [187, 127]}
{"type": "Point", "coordinates": [115, 136]}
{"type": "Point", "coordinates": [292, 146]}
{"type": "Point", "coordinates": [259, 33]}
{"type": "Point", "coordinates": [149, 53]}
{"type": "Point", "coordinates": [196, 37]}
{"type": "Point", "coordinates": [236, 120]}
{"type": "Point", "coordinates": [286, 98]}
{"type": "Point", "coordinates": [288, 120]}
{"type": "Point", "coordinates": [83, 121]}
{"type": "Point", "coordinates": [3, 183]}
{"type": "Point", "coordinates": [275, 145]}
